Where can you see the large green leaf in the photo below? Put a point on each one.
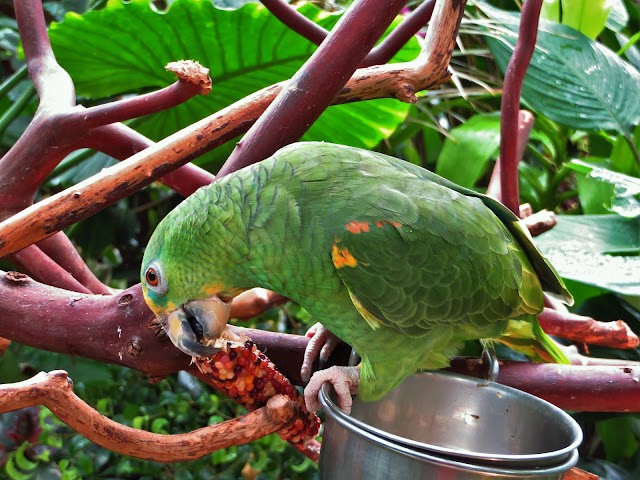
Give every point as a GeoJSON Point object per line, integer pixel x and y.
{"type": "Point", "coordinates": [602, 190]}
{"type": "Point", "coordinates": [599, 250]}
{"type": "Point", "coordinates": [124, 48]}
{"type": "Point", "coordinates": [467, 150]}
{"type": "Point", "coordinates": [571, 79]}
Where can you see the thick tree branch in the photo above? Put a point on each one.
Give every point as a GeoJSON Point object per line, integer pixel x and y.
{"type": "Point", "coordinates": [87, 198]}
{"type": "Point", "coordinates": [55, 391]}
{"type": "Point", "coordinates": [53, 84]}
{"type": "Point", "coordinates": [122, 142]}
{"type": "Point", "coordinates": [570, 387]}
{"type": "Point", "coordinates": [119, 332]}
{"type": "Point", "coordinates": [316, 83]}
{"type": "Point", "coordinates": [509, 120]}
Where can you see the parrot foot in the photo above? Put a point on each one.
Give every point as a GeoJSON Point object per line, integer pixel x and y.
{"type": "Point", "coordinates": [321, 345]}
{"type": "Point", "coordinates": [345, 382]}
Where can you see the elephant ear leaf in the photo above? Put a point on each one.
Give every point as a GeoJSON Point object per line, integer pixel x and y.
{"type": "Point", "coordinates": [124, 48]}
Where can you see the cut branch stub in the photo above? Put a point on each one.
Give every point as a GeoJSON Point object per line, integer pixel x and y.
{"type": "Point", "coordinates": [192, 72]}
{"type": "Point", "coordinates": [55, 391]}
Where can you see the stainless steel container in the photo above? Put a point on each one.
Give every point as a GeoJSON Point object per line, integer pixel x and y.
{"type": "Point", "coordinates": [437, 425]}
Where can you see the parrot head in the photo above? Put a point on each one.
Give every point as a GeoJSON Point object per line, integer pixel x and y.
{"type": "Point", "coordinates": [191, 306]}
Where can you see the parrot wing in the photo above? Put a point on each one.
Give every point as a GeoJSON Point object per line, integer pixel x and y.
{"type": "Point", "coordinates": [422, 258]}
{"type": "Point", "coordinates": [551, 281]}
{"type": "Point", "coordinates": [435, 257]}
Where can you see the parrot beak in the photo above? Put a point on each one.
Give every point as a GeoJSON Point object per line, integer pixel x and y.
{"type": "Point", "coordinates": [197, 320]}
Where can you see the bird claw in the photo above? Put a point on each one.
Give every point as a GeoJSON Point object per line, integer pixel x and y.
{"type": "Point", "coordinates": [344, 380]}
{"type": "Point", "coordinates": [321, 345]}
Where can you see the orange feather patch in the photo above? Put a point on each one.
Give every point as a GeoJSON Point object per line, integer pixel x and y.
{"type": "Point", "coordinates": [342, 258]}
{"type": "Point", "coordinates": [357, 227]}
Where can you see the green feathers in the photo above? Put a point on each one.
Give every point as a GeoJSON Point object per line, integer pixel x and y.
{"type": "Point", "coordinates": [396, 261]}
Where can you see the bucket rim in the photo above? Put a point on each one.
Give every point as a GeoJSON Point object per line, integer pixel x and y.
{"type": "Point", "coordinates": [521, 460]}
{"type": "Point", "coordinates": [525, 471]}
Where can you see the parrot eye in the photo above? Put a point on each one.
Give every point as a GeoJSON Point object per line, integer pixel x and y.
{"type": "Point", "coordinates": [154, 279]}
{"type": "Point", "coordinates": [225, 297]}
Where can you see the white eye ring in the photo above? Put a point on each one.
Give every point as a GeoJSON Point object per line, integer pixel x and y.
{"type": "Point", "coordinates": [154, 279]}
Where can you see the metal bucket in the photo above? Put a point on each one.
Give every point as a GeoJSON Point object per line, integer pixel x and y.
{"type": "Point", "coordinates": [439, 425]}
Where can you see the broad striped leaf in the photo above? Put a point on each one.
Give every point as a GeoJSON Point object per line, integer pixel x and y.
{"type": "Point", "coordinates": [572, 80]}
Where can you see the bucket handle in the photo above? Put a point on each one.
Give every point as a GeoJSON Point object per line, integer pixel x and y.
{"type": "Point", "coordinates": [489, 355]}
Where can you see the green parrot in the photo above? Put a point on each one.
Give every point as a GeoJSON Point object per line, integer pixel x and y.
{"type": "Point", "coordinates": [394, 260]}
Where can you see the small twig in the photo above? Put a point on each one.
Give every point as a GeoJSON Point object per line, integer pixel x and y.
{"type": "Point", "coordinates": [509, 111]}
{"type": "Point", "coordinates": [54, 390]}
{"type": "Point", "coordinates": [297, 22]}
{"type": "Point", "coordinates": [586, 330]}
{"type": "Point", "coordinates": [193, 80]}
{"type": "Point", "coordinates": [392, 44]}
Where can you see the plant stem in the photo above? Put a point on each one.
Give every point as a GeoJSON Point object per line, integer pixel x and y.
{"type": "Point", "coordinates": [632, 41]}
{"type": "Point", "coordinates": [510, 107]}
{"type": "Point", "coordinates": [13, 80]}
{"type": "Point", "coordinates": [632, 147]}
{"type": "Point", "coordinates": [16, 108]}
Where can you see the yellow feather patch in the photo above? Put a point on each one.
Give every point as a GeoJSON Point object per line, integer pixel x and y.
{"type": "Point", "coordinates": [371, 319]}
{"type": "Point", "coordinates": [342, 258]}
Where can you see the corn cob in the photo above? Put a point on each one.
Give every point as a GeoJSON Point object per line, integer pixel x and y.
{"type": "Point", "coordinates": [247, 376]}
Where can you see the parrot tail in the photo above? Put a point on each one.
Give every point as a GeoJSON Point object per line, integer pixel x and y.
{"type": "Point", "coordinates": [527, 337]}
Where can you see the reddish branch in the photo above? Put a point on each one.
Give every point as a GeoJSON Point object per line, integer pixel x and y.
{"type": "Point", "coordinates": [59, 248]}
{"type": "Point", "coordinates": [522, 132]}
{"type": "Point", "coordinates": [510, 107]}
{"type": "Point", "coordinates": [87, 198]}
{"type": "Point", "coordinates": [193, 80]}
{"type": "Point", "coordinates": [316, 84]}
{"type": "Point", "coordinates": [297, 22]}
{"type": "Point", "coordinates": [380, 54]}
{"type": "Point", "coordinates": [55, 391]}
